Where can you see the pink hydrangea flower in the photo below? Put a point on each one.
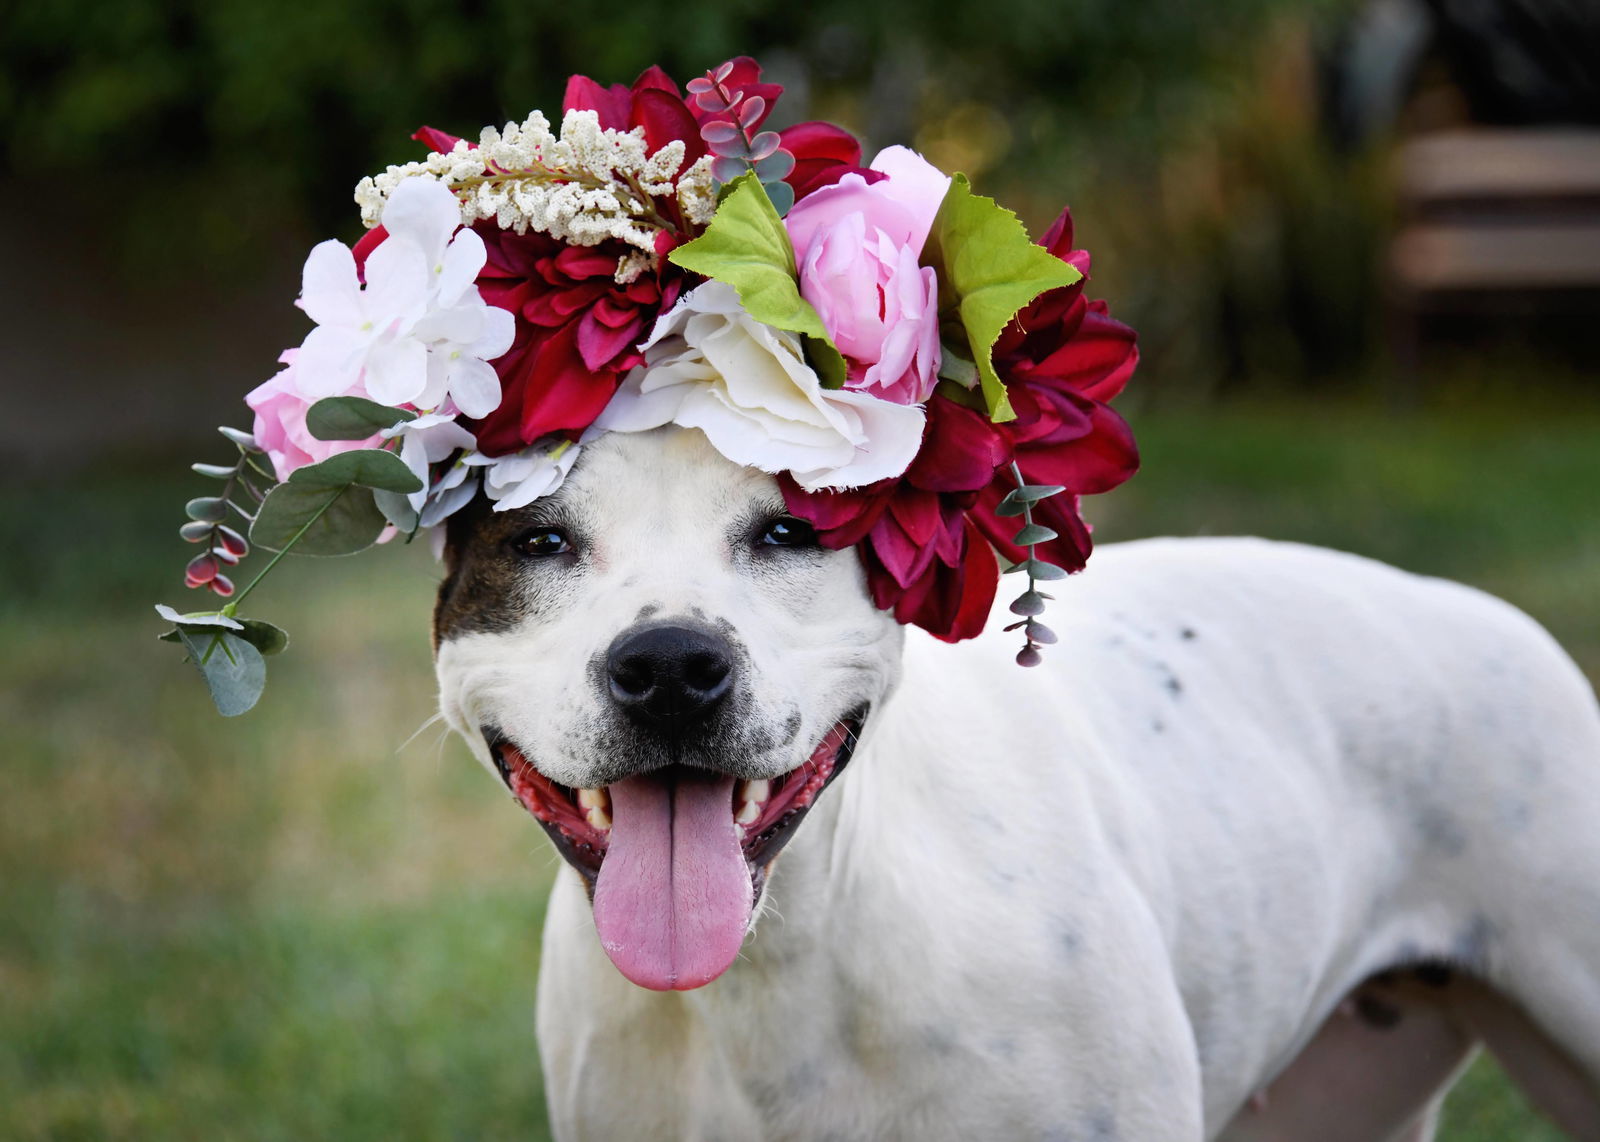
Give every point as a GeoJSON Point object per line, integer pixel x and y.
{"type": "Point", "coordinates": [280, 426]}
{"type": "Point", "coordinates": [858, 246]}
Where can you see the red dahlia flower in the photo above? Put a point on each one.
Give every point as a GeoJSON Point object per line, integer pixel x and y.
{"type": "Point", "coordinates": [577, 331]}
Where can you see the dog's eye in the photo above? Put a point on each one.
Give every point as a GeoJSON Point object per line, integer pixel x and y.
{"type": "Point", "coordinates": [542, 541]}
{"type": "Point", "coordinates": [788, 532]}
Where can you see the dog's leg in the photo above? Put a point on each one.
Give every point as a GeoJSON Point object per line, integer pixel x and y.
{"type": "Point", "coordinates": [1376, 1071]}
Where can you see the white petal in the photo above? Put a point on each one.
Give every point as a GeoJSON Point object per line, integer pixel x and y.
{"type": "Point", "coordinates": [499, 330]}
{"type": "Point", "coordinates": [424, 212]}
{"type": "Point", "coordinates": [329, 291]}
{"type": "Point", "coordinates": [633, 410]}
{"type": "Point", "coordinates": [474, 387]}
{"type": "Point", "coordinates": [329, 362]}
{"type": "Point", "coordinates": [459, 267]}
{"type": "Point", "coordinates": [397, 371]}
{"type": "Point", "coordinates": [893, 434]}
{"type": "Point", "coordinates": [460, 324]}
{"type": "Point", "coordinates": [446, 500]}
{"type": "Point", "coordinates": [398, 283]}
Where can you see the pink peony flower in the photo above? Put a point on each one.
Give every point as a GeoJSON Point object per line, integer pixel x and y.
{"type": "Point", "coordinates": [858, 246]}
{"type": "Point", "coordinates": [280, 426]}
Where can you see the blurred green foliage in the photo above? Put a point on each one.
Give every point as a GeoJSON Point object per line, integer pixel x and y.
{"type": "Point", "coordinates": [1185, 135]}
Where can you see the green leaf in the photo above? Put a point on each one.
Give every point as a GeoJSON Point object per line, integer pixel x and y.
{"type": "Point", "coordinates": [747, 247]}
{"type": "Point", "coordinates": [233, 670]}
{"type": "Point", "coordinates": [265, 637]}
{"type": "Point", "coordinates": [243, 439]}
{"type": "Point", "coordinates": [213, 471]}
{"type": "Point", "coordinates": [988, 270]}
{"type": "Point", "coordinates": [352, 418]}
{"type": "Point", "coordinates": [956, 368]}
{"type": "Point", "coordinates": [1017, 499]}
{"type": "Point", "coordinates": [1031, 534]}
{"type": "Point", "coordinates": [1039, 569]}
{"type": "Point", "coordinates": [369, 467]}
{"type": "Point", "coordinates": [338, 520]}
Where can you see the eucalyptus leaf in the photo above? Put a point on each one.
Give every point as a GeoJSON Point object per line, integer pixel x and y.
{"type": "Point", "coordinates": [339, 520]}
{"type": "Point", "coordinates": [213, 471]}
{"type": "Point", "coordinates": [233, 670]}
{"type": "Point", "coordinates": [369, 467]}
{"type": "Point", "coordinates": [352, 418]}
{"type": "Point", "coordinates": [197, 618]}
{"type": "Point", "coordinates": [243, 439]}
{"type": "Point", "coordinates": [780, 192]}
{"type": "Point", "coordinates": [196, 531]}
{"type": "Point", "coordinates": [265, 637]}
{"type": "Point", "coordinates": [747, 247]}
{"type": "Point", "coordinates": [989, 270]}
{"type": "Point", "coordinates": [1033, 533]}
{"type": "Point", "coordinates": [211, 509]}
{"type": "Point", "coordinates": [1041, 570]}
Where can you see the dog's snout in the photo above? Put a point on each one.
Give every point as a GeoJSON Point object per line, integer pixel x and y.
{"type": "Point", "coordinates": [669, 678]}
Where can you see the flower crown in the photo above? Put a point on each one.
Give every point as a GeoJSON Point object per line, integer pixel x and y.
{"type": "Point", "coordinates": [919, 375]}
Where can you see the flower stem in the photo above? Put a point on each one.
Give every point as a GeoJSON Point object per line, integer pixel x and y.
{"type": "Point", "coordinates": [287, 547]}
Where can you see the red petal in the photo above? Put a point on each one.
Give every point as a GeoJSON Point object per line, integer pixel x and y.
{"type": "Point", "coordinates": [960, 449]}
{"type": "Point", "coordinates": [363, 249]}
{"type": "Point", "coordinates": [600, 344]}
{"type": "Point", "coordinates": [565, 395]}
{"type": "Point", "coordinates": [653, 78]}
{"type": "Point", "coordinates": [437, 140]}
{"type": "Point", "coordinates": [612, 105]}
{"type": "Point", "coordinates": [841, 518]}
{"type": "Point", "coordinates": [1093, 463]}
{"type": "Point", "coordinates": [664, 118]}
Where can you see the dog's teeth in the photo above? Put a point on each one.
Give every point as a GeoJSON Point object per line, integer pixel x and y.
{"type": "Point", "coordinates": [598, 818]}
{"type": "Point", "coordinates": [756, 791]}
{"type": "Point", "coordinates": [747, 814]}
{"type": "Point", "coordinates": [593, 799]}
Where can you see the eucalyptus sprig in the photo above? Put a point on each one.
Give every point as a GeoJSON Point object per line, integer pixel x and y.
{"type": "Point", "coordinates": [736, 150]}
{"type": "Point", "coordinates": [1030, 604]}
{"type": "Point", "coordinates": [335, 507]}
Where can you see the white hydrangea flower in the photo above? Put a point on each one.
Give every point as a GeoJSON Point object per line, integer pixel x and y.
{"type": "Point", "coordinates": [516, 480]}
{"type": "Point", "coordinates": [419, 333]}
{"type": "Point", "coordinates": [710, 365]}
{"type": "Point", "coordinates": [424, 442]}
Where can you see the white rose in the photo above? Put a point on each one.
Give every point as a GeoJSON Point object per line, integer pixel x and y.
{"type": "Point", "coordinates": [710, 365]}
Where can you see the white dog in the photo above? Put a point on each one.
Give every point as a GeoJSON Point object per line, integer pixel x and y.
{"type": "Point", "coordinates": [1271, 843]}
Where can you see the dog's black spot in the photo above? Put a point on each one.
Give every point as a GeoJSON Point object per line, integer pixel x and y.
{"type": "Point", "coordinates": [1157, 726]}
{"type": "Point", "coordinates": [1188, 634]}
{"type": "Point", "coordinates": [1376, 1012]}
{"type": "Point", "coordinates": [791, 727]}
{"type": "Point", "coordinates": [1434, 974]}
{"type": "Point", "coordinates": [646, 613]}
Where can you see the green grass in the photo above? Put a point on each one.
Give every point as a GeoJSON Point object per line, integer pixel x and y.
{"type": "Point", "coordinates": [294, 925]}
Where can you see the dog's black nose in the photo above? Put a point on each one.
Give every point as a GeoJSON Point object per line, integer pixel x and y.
{"type": "Point", "coordinates": [669, 679]}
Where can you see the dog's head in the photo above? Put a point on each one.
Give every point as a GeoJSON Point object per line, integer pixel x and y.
{"type": "Point", "coordinates": [666, 669]}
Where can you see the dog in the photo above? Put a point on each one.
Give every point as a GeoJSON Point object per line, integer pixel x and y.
{"type": "Point", "coordinates": [1271, 844]}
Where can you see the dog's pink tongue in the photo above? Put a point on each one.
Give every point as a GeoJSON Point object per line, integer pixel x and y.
{"type": "Point", "coordinates": [673, 898]}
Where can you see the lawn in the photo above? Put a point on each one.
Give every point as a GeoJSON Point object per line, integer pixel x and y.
{"type": "Point", "coordinates": [321, 920]}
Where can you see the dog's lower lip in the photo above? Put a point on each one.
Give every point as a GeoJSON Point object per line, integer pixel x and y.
{"type": "Point", "coordinates": [766, 811]}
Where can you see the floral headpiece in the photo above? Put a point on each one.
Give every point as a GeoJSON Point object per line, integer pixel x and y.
{"type": "Point", "coordinates": [919, 375]}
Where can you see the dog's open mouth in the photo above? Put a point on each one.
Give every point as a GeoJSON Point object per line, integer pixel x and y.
{"type": "Point", "coordinates": [676, 858]}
